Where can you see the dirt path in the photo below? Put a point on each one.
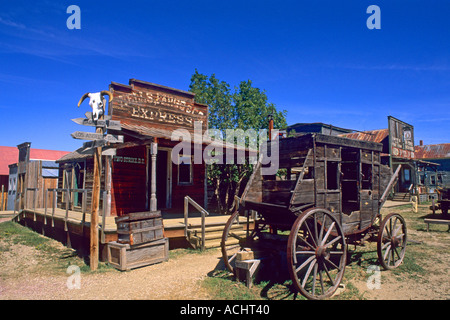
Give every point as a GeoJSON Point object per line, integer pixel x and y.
{"type": "Point", "coordinates": [24, 275]}
{"type": "Point", "coordinates": [175, 279]}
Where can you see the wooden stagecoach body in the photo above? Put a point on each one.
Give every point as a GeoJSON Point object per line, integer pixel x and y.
{"type": "Point", "coordinates": [327, 191]}
{"type": "Point", "coordinates": [342, 175]}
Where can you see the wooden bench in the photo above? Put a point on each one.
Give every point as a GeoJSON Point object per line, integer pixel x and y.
{"type": "Point", "coordinates": [436, 221]}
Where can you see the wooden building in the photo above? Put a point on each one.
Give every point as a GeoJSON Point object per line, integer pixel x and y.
{"type": "Point", "coordinates": [142, 174]}
{"type": "Point", "coordinates": [398, 149]}
{"type": "Point", "coordinates": [436, 172]}
{"type": "Point", "coordinates": [22, 168]}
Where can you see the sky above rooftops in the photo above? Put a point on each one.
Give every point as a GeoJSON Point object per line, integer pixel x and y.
{"type": "Point", "coordinates": [316, 59]}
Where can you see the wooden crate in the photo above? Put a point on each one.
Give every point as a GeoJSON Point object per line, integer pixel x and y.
{"type": "Point", "coordinates": [125, 257]}
{"type": "Point", "coordinates": [140, 227]}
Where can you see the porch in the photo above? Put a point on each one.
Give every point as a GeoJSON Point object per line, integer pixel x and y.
{"type": "Point", "coordinates": [72, 227]}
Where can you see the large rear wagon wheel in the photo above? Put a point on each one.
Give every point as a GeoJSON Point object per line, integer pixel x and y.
{"type": "Point", "coordinates": [392, 238]}
{"type": "Point", "coordinates": [235, 238]}
{"type": "Point", "coordinates": [316, 253]}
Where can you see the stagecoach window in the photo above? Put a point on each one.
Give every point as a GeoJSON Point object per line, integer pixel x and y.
{"type": "Point", "coordinates": [332, 175]}
{"type": "Point", "coordinates": [185, 170]}
{"type": "Point", "coordinates": [366, 176]}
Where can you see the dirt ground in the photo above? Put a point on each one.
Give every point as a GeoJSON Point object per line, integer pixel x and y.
{"type": "Point", "coordinates": [180, 277]}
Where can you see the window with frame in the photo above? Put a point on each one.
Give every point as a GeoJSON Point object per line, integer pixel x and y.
{"type": "Point", "coordinates": [185, 170]}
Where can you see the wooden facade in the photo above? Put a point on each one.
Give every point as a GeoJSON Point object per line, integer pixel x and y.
{"type": "Point", "coordinates": [148, 114]}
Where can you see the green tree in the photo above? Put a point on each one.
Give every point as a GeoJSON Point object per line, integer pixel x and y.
{"type": "Point", "coordinates": [245, 107]}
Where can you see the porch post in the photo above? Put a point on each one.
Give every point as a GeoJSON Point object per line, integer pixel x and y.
{"type": "Point", "coordinates": [153, 153]}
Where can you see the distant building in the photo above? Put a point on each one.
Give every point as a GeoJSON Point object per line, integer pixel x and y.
{"type": "Point", "coordinates": [398, 149]}
{"type": "Point", "coordinates": [438, 172]}
{"type": "Point", "coordinates": [318, 127]}
{"type": "Point", "coordinates": [9, 168]}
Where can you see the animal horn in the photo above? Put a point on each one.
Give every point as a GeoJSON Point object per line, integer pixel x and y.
{"type": "Point", "coordinates": [83, 98]}
{"type": "Point", "coordinates": [104, 92]}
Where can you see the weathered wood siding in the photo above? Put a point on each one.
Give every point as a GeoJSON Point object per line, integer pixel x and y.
{"type": "Point", "coordinates": [128, 187]}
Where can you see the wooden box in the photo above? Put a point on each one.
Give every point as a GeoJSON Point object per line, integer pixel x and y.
{"type": "Point", "coordinates": [125, 257]}
{"type": "Point", "coordinates": [140, 227]}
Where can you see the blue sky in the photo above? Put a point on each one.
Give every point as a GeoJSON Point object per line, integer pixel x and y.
{"type": "Point", "coordinates": [315, 59]}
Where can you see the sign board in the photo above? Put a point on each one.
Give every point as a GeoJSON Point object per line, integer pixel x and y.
{"type": "Point", "coordinates": [401, 139]}
{"type": "Point", "coordinates": [113, 138]}
{"type": "Point", "coordinates": [94, 144]}
{"type": "Point", "coordinates": [109, 124]}
{"type": "Point", "coordinates": [87, 135]}
{"type": "Point", "coordinates": [152, 105]}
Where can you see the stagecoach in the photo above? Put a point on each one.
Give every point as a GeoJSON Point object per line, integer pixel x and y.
{"type": "Point", "coordinates": [327, 193]}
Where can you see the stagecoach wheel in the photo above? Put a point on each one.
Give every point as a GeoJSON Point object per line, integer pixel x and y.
{"type": "Point", "coordinates": [316, 253]}
{"type": "Point", "coordinates": [234, 239]}
{"type": "Point", "coordinates": [391, 244]}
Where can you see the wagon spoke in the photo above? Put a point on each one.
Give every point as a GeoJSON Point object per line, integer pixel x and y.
{"type": "Point", "coordinates": [333, 265]}
{"type": "Point", "coordinates": [387, 244]}
{"type": "Point", "coordinates": [321, 282]}
{"type": "Point", "coordinates": [307, 243]}
{"type": "Point", "coordinates": [332, 241]}
{"type": "Point", "coordinates": [315, 229]}
{"type": "Point", "coordinates": [309, 230]}
{"type": "Point", "coordinates": [322, 227]}
{"type": "Point", "coordinates": [387, 251]}
{"type": "Point", "coordinates": [311, 266]}
{"type": "Point", "coordinates": [396, 252]}
{"type": "Point", "coordinates": [327, 234]}
{"type": "Point", "coordinates": [389, 255]}
{"type": "Point", "coordinates": [305, 252]}
{"type": "Point", "coordinates": [328, 274]}
{"type": "Point", "coordinates": [232, 257]}
{"type": "Point", "coordinates": [305, 263]}
{"type": "Point", "coordinates": [316, 267]}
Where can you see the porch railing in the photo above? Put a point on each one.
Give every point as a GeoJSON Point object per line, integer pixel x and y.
{"type": "Point", "coordinates": [68, 193]}
{"type": "Point", "coordinates": [188, 200]}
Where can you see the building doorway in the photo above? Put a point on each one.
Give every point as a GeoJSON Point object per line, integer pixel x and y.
{"type": "Point", "coordinates": [163, 179]}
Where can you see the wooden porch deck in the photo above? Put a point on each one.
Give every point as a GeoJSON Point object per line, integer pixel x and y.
{"type": "Point", "coordinates": [75, 222]}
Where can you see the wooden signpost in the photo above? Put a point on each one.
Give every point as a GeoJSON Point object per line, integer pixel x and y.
{"type": "Point", "coordinates": [97, 141]}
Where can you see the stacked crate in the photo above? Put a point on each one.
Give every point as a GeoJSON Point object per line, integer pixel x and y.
{"type": "Point", "coordinates": [140, 241]}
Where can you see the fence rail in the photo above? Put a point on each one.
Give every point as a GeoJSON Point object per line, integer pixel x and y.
{"type": "Point", "coordinates": [68, 196]}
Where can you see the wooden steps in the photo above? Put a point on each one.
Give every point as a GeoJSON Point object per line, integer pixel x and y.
{"type": "Point", "coordinates": [213, 235]}
{"type": "Point", "coordinates": [401, 196]}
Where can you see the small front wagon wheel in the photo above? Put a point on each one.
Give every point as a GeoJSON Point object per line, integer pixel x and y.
{"type": "Point", "coordinates": [316, 253]}
{"type": "Point", "coordinates": [391, 244]}
{"type": "Point", "coordinates": [235, 238]}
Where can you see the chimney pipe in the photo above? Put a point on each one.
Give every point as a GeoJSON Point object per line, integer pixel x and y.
{"type": "Point", "coordinates": [270, 126]}
{"type": "Point", "coordinates": [421, 142]}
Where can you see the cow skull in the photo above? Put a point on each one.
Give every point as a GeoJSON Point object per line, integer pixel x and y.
{"type": "Point", "coordinates": [97, 102]}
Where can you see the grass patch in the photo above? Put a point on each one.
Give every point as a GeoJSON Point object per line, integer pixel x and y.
{"type": "Point", "coordinates": [52, 257]}
{"type": "Point", "coordinates": [222, 287]}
